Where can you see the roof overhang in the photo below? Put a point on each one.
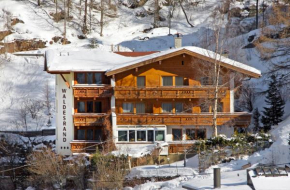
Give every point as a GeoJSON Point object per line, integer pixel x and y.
{"type": "Point", "coordinates": [204, 57]}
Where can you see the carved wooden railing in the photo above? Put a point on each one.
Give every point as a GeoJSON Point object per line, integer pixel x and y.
{"type": "Point", "coordinates": [89, 119]}
{"type": "Point", "coordinates": [92, 92]}
{"type": "Point", "coordinates": [83, 146]}
{"type": "Point", "coordinates": [122, 92]}
{"type": "Point", "coordinates": [232, 119]}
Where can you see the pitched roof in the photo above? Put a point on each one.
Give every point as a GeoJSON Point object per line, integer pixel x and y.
{"type": "Point", "coordinates": [190, 50]}
{"type": "Point", "coordinates": [113, 62]}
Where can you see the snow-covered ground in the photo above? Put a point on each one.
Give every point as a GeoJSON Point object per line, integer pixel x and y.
{"type": "Point", "coordinates": [233, 176]}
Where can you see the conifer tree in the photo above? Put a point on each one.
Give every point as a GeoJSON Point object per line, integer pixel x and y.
{"type": "Point", "coordinates": [256, 118]}
{"type": "Point", "coordinates": [274, 112]}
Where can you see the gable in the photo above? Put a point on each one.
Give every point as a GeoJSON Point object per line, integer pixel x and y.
{"type": "Point", "coordinates": [191, 51]}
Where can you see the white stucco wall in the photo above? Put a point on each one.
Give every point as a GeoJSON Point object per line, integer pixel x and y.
{"type": "Point", "coordinates": [64, 111]}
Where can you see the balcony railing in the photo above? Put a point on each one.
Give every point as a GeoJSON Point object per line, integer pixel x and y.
{"type": "Point", "coordinates": [122, 92]}
{"type": "Point", "coordinates": [92, 91]}
{"type": "Point", "coordinates": [232, 119]}
{"type": "Point", "coordinates": [83, 146]}
{"type": "Point", "coordinates": [89, 119]}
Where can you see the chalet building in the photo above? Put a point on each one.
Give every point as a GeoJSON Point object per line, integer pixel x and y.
{"type": "Point", "coordinates": [139, 98]}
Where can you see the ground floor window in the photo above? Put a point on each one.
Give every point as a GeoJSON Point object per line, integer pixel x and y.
{"type": "Point", "coordinates": [122, 136]}
{"type": "Point", "coordinates": [90, 134]}
{"type": "Point", "coordinates": [195, 134]}
{"type": "Point", "coordinates": [177, 134]}
{"type": "Point", "coordinates": [141, 135]}
{"type": "Point", "coordinates": [159, 135]}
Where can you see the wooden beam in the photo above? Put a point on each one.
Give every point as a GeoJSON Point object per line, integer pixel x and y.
{"type": "Point", "coordinates": [66, 83]}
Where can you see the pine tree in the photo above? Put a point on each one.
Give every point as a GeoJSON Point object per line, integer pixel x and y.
{"type": "Point", "coordinates": [273, 113]}
{"type": "Point", "coordinates": [256, 118]}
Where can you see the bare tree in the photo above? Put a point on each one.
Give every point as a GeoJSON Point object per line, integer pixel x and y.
{"type": "Point", "coordinates": [180, 3]}
{"type": "Point", "coordinates": [110, 172]}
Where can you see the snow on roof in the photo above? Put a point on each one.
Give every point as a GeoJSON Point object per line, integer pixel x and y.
{"type": "Point", "coordinates": [98, 60]}
{"type": "Point", "coordinates": [83, 60]}
{"type": "Point", "coordinates": [192, 49]}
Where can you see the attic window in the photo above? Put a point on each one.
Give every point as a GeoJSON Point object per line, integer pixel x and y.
{"type": "Point", "coordinates": [182, 62]}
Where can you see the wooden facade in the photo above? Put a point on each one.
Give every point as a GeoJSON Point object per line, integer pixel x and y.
{"type": "Point", "coordinates": [204, 119]}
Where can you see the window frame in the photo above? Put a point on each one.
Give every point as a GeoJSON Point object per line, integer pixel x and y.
{"type": "Point", "coordinates": [94, 81]}
{"type": "Point", "coordinates": [86, 105]}
{"type": "Point", "coordinates": [94, 128]}
{"type": "Point", "coordinates": [182, 80]}
{"type": "Point", "coordinates": [174, 136]}
{"type": "Point", "coordinates": [162, 110]}
{"type": "Point", "coordinates": [144, 81]}
{"type": "Point", "coordinates": [130, 112]}
{"type": "Point", "coordinates": [155, 132]}
{"type": "Point", "coordinates": [162, 80]}
{"type": "Point", "coordinates": [195, 133]}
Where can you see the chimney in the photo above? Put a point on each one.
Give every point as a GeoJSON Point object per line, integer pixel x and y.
{"type": "Point", "coordinates": [178, 41]}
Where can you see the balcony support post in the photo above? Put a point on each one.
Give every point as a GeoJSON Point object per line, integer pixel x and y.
{"type": "Point", "coordinates": [232, 92]}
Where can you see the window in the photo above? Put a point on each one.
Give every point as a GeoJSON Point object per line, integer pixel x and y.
{"type": "Point", "coordinates": [90, 106]}
{"type": "Point", "coordinates": [150, 135]}
{"type": "Point", "coordinates": [204, 81]}
{"type": "Point", "coordinates": [141, 81]}
{"type": "Point", "coordinates": [179, 81]}
{"type": "Point", "coordinates": [167, 81]}
{"type": "Point", "coordinates": [141, 135]}
{"type": "Point", "coordinates": [122, 136]}
{"type": "Point", "coordinates": [81, 134]}
{"type": "Point", "coordinates": [177, 134]}
{"type": "Point", "coordinates": [127, 108]}
{"type": "Point", "coordinates": [140, 107]}
{"type": "Point", "coordinates": [81, 107]}
{"type": "Point", "coordinates": [166, 107]}
{"type": "Point", "coordinates": [190, 134]}
{"type": "Point", "coordinates": [195, 134]}
{"type": "Point", "coordinates": [178, 107]}
{"type": "Point", "coordinates": [200, 134]}
{"type": "Point", "coordinates": [159, 135]}
{"type": "Point", "coordinates": [220, 107]}
{"type": "Point", "coordinates": [98, 107]}
{"type": "Point", "coordinates": [90, 134]}
{"type": "Point", "coordinates": [81, 78]}
{"type": "Point", "coordinates": [204, 107]}
{"type": "Point", "coordinates": [98, 134]}
{"type": "Point", "coordinates": [88, 78]}
{"type": "Point", "coordinates": [98, 78]}
{"type": "Point", "coordinates": [132, 135]}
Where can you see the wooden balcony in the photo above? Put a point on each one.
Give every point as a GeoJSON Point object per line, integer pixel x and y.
{"type": "Point", "coordinates": [89, 119]}
{"type": "Point", "coordinates": [92, 91]}
{"type": "Point", "coordinates": [83, 146]}
{"type": "Point", "coordinates": [242, 119]}
{"type": "Point", "coordinates": [122, 92]}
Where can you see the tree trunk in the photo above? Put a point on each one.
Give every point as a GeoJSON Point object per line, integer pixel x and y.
{"type": "Point", "coordinates": [257, 14]}
{"type": "Point", "coordinates": [85, 18]}
{"type": "Point", "coordinates": [64, 23]}
{"type": "Point", "coordinates": [55, 6]}
{"type": "Point", "coordinates": [38, 2]}
{"type": "Point", "coordinates": [185, 14]}
{"type": "Point", "coordinates": [68, 7]}
{"type": "Point", "coordinates": [156, 14]}
{"type": "Point", "coordinates": [102, 18]}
